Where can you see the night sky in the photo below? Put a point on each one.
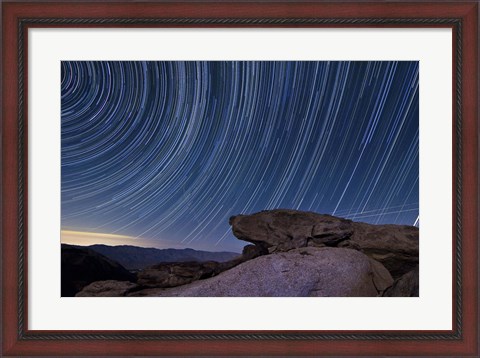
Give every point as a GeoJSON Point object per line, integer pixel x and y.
{"type": "Point", "coordinates": [163, 153]}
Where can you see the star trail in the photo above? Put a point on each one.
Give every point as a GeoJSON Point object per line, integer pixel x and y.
{"type": "Point", "coordinates": [166, 152]}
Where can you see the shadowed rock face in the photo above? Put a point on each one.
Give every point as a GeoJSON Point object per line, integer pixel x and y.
{"type": "Point", "coordinates": [305, 272]}
{"type": "Point", "coordinates": [82, 266]}
{"type": "Point", "coordinates": [405, 286]}
{"type": "Point", "coordinates": [395, 246]}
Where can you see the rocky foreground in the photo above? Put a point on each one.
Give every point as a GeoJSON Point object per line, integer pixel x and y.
{"type": "Point", "coordinates": [293, 254]}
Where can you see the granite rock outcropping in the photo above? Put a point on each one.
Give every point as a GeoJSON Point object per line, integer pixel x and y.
{"type": "Point", "coordinates": [292, 254]}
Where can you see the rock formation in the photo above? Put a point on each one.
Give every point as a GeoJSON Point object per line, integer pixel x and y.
{"type": "Point", "coordinates": [305, 272]}
{"type": "Point", "coordinates": [293, 254]}
{"type": "Point", "coordinates": [180, 273]}
{"type": "Point", "coordinates": [395, 246]}
{"type": "Point", "coordinates": [283, 230]}
{"type": "Point", "coordinates": [176, 274]}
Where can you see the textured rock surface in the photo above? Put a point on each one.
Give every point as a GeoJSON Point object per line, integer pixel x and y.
{"type": "Point", "coordinates": [304, 272]}
{"type": "Point", "coordinates": [81, 266]}
{"type": "Point", "coordinates": [181, 273]}
{"type": "Point", "coordinates": [176, 274]}
{"type": "Point", "coordinates": [109, 288]}
{"type": "Point", "coordinates": [405, 286]}
{"type": "Point", "coordinates": [395, 246]}
{"type": "Point", "coordinates": [283, 230]}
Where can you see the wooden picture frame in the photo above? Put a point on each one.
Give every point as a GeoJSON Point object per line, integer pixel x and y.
{"type": "Point", "coordinates": [18, 17]}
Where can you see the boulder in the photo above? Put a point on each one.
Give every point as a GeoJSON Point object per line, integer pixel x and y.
{"type": "Point", "coordinates": [395, 246]}
{"type": "Point", "coordinates": [405, 286]}
{"type": "Point", "coordinates": [81, 266]}
{"type": "Point", "coordinates": [283, 230]}
{"type": "Point", "coordinates": [109, 288]}
{"type": "Point", "coordinates": [303, 272]}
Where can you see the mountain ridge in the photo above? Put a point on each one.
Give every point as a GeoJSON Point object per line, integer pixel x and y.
{"type": "Point", "coordinates": [136, 258]}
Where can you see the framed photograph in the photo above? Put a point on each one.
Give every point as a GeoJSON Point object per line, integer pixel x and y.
{"type": "Point", "coordinates": [238, 178]}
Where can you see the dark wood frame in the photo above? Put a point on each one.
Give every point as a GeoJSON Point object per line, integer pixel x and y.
{"type": "Point", "coordinates": [461, 17]}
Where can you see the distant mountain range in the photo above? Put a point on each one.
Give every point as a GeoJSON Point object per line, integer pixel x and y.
{"type": "Point", "coordinates": [137, 258]}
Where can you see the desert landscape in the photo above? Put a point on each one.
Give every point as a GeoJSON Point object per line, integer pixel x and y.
{"type": "Point", "coordinates": [291, 254]}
